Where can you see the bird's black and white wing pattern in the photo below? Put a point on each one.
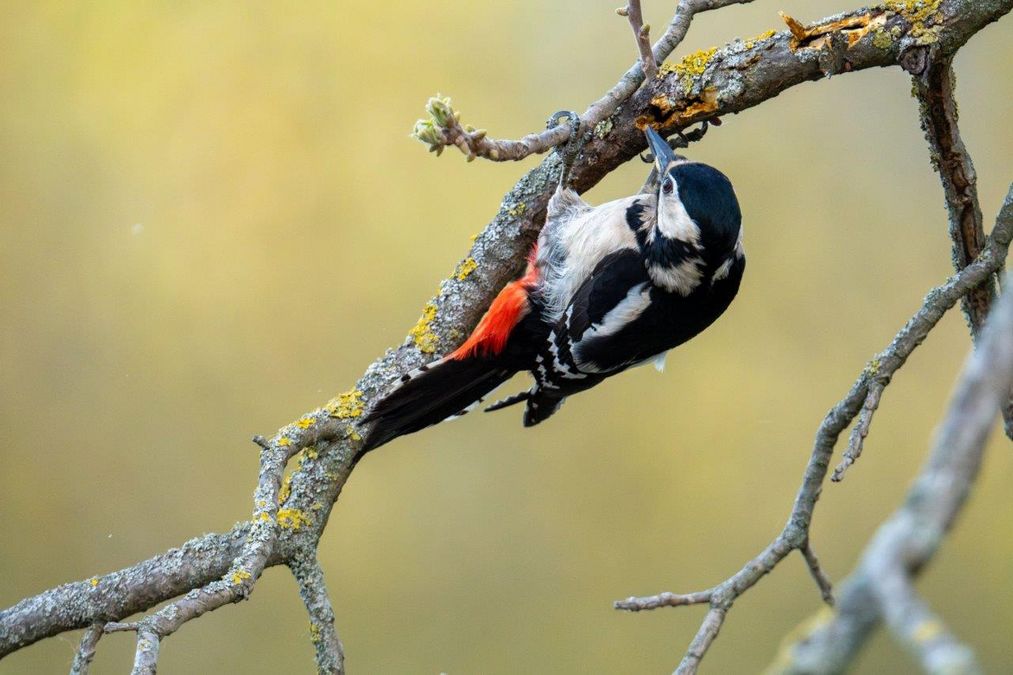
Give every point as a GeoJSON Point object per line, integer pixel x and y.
{"type": "Point", "coordinates": [600, 323]}
{"type": "Point", "coordinates": [591, 339]}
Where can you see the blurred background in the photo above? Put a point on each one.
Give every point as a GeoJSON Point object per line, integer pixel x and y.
{"type": "Point", "coordinates": [212, 219]}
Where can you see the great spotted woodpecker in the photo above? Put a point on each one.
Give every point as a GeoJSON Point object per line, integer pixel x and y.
{"type": "Point", "coordinates": [606, 288]}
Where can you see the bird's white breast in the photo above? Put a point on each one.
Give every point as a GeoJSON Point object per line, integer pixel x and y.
{"type": "Point", "coordinates": [586, 238]}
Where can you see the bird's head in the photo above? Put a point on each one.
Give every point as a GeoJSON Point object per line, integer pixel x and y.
{"type": "Point", "coordinates": [697, 226]}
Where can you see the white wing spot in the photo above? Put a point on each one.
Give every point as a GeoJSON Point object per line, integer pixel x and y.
{"type": "Point", "coordinates": [682, 279]}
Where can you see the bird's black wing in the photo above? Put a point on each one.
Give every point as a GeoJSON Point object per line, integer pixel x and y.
{"type": "Point", "coordinates": [599, 323]}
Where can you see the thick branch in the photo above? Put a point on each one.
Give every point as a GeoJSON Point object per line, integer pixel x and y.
{"type": "Point", "coordinates": [734, 78]}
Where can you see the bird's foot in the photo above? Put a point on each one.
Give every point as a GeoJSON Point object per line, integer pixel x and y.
{"type": "Point", "coordinates": [569, 150]}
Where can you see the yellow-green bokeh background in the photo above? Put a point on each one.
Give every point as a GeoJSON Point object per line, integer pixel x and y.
{"type": "Point", "coordinates": [212, 219]}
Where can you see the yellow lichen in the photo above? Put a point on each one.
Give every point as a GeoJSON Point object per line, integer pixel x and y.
{"type": "Point", "coordinates": [93, 581]}
{"type": "Point", "coordinates": [311, 452]}
{"type": "Point", "coordinates": [517, 209]}
{"type": "Point", "coordinates": [882, 39]}
{"type": "Point", "coordinates": [314, 632]}
{"type": "Point", "coordinates": [603, 128]}
{"type": "Point", "coordinates": [263, 516]}
{"type": "Point", "coordinates": [285, 490]}
{"type": "Point", "coordinates": [751, 42]}
{"type": "Point", "coordinates": [305, 422]}
{"type": "Point", "coordinates": [292, 519]}
{"type": "Point", "coordinates": [422, 333]}
{"type": "Point", "coordinates": [346, 405]}
{"type": "Point", "coordinates": [353, 434]}
{"type": "Point", "coordinates": [316, 506]}
{"type": "Point", "coordinates": [467, 266]}
{"type": "Point", "coordinates": [240, 575]}
{"type": "Point", "coordinates": [691, 66]}
{"type": "Point", "coordinates": [920, 14]}
{"type": "Point", "coordinates": [284, 441]}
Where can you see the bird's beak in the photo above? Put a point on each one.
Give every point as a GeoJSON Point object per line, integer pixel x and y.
{"type": "Point", "coordinates": [663, 155]}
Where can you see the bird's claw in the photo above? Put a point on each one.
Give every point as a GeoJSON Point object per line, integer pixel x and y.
{"type": "Point", "coordinates": [569, 150]}
{"type": "Point", "coordinates": [572, 118]}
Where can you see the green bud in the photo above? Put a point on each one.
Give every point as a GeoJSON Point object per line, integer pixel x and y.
{"type": "Point", "coordinates": [440, 110]}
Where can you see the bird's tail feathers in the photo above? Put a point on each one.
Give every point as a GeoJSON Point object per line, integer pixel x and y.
{"type": "Point", "coordinates": [439, 391]}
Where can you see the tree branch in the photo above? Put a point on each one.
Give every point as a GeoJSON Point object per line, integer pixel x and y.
{"type": "Point", "coordinates": [934, 83]}
{"type": "Point", "coordinates": [905, 543]}
{"type": "Point", "coordinates": [443, 126]}
{"type": "Point", "coordinates": [86, 650]}
{"type": "Point", "coordinates": [834, 639]}
{"type": "Point", "coordinates": [795, 534]}
{"type": "Point", "coordinates": [740, 75]}
{"type": "Point", "coordinates": [313, 591]}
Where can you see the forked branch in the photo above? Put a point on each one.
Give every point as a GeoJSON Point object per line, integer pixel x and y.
{"type": "Point", "coordinates": [795, 534]}
{"type": "Point", "coordinates": [443, 127]}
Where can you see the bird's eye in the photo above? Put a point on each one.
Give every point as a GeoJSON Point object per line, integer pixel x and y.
{"type": "Point", "coordinates": [667, 186]}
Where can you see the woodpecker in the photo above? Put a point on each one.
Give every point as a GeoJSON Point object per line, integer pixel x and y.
{"type": "Point", "coordinates": [606, 288]}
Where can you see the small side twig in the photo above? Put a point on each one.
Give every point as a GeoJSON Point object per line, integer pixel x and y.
{"type": "Point", "coordinates": [330, 655]}
{"type": "Point", "coordinates": [856, 440]}
{"type": "Point", "coordinates": [642, 34]}
{"type": "Point", "coordinates": [86, 650]}
{"type": "Point", "coordinates": [817, 573]}
{"type": "Point", "coordinates": [635, 604]}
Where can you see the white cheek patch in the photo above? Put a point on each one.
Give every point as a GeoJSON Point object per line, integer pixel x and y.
{"type": "Point", "coordinates": [674, 222]}
{"type": "Point", "coordinates": [682, 279]}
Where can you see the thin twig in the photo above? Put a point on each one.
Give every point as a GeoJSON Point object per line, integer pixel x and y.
{"type": "Point", "coordinates": [817, 572]}
{"type": "Point", "coordinates": [443, 127]}
{"type": "Point", "coordinates": [330, 655]}
{"type": "Point", "coordinates": [861, 429]}
{"type": "Point", "coordinates": [635, 604]}
{"type": "Point", "coordinates": [709, 629]}
{"type": "Point", "coordinates": [795, 535]}
{"type": "Point", "coordinates": [642, 34]}
{"type": "Point", "coordinates": [86, 650]}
